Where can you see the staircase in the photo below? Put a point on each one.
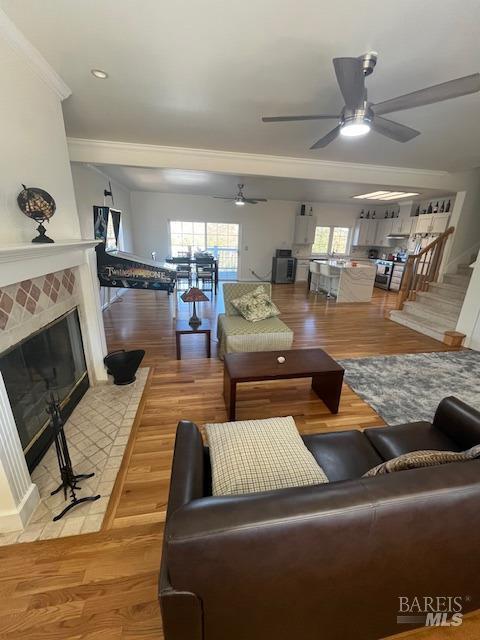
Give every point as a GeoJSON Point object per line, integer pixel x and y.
{"type": "Point", "coordinates": [435, 310]}
{"type": "Point", "coordinates": [427, 305]}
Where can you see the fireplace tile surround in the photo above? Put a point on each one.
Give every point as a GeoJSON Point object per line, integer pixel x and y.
{"type": "Point", "coordinates": [27, 306]}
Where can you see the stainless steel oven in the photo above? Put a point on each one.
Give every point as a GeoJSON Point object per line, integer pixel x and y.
{"type": "Point", "coordinates": [384, 274]}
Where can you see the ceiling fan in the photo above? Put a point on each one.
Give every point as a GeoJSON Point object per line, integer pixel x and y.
{"type": "Point", "coordinates": [359, 116]}
{"type": "Point", "coordinates": [240, 199]}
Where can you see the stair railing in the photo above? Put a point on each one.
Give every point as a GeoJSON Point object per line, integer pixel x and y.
{"type": "Point", "coordinates": [422, 269]}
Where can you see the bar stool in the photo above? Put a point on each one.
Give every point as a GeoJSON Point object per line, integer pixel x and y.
{"type": "Point", "coordinates": [330, 278]}
{"type": "Point", "coordinates": [315, 278]}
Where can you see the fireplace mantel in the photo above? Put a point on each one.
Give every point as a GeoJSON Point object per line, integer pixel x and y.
{"type": "Point", "coordinates": [22, 261]}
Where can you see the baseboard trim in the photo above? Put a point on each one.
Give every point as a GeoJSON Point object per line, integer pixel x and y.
{"type": "Point", "coordinates": [17, 519]}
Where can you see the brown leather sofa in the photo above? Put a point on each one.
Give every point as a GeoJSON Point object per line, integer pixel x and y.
{"type": "Point", "coordinates": [326, 562]}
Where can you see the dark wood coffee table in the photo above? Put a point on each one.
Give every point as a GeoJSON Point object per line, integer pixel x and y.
{"type": "Point", "coordinates": [326, 374]}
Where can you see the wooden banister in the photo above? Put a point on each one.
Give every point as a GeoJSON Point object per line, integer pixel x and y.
{"type": "Point", "coordinates": [422, 268]}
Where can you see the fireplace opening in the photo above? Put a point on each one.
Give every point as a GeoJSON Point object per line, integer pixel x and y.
{"type": "Point", "coordinates": [51, 359]}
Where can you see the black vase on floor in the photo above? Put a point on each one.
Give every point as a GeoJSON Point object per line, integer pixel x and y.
{"type": "Point", "coordinates": [123, 365]}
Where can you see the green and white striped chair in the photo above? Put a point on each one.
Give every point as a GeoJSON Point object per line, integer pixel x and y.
{"type": "Point", "coordinates": [237, 335]}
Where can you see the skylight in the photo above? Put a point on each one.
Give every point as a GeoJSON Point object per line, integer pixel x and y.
{"type": "Point", "coordinates": [386, 195]}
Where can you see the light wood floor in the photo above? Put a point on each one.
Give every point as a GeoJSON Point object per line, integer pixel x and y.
{"type": "Point", "coordinates": [103, 585]}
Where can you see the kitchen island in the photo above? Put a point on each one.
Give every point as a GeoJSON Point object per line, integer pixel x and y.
{"type": "Point", "coordinates": [346, 280]}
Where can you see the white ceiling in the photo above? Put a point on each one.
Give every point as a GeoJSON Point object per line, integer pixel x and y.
{"type": "Point", "coordinates": [206, 183]}
{"type": "Point", "coordinates": [201, 74]}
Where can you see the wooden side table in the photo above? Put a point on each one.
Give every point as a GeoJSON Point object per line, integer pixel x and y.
{"type": "Point", "coordinates": [182, 327]}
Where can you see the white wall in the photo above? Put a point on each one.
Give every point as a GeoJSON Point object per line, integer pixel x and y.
{"type": "Point", "coordinates": [263, 227]}
{"type": "Point", "coordinates": [33, 151]}
{"type": "Point", "coordinates": [89, 184]}
{"type": "Point", "coordinates": [469, 320]}
{"type": "Point", "coordinates": [466, 220]}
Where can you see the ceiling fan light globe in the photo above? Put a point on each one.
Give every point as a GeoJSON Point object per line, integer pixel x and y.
{"type": "Point", "coordinates": [354, 129]}
{"type": "Point", "coordinates": [239, 203]}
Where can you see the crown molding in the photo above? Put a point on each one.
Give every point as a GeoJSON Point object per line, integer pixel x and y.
{"type": "Point", "coordinates": [17, 41]}
{"type": "Point", "coordinates": [146, 155]}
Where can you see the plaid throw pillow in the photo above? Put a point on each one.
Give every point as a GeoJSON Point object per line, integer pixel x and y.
{"type": "Point", "coordinates": [256, 305]}
{"type": "Point", "coordinates": [427, 458]}
{"type": "Point", "coordinates": [260, 455]}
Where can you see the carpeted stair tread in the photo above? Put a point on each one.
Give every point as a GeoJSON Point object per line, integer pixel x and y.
{"type": "Point", "coordinates": [457, 278]}
{"type": "Point", "coordinates": [430, 328]}
{"type": "Point", "coordinates": [449, 291]}
{"type": "Point", "coordinates": [440, 302]}
{"type": "Point", "coordinates": [426, 312]}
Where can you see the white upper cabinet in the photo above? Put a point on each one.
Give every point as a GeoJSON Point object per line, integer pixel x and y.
{"type": "Point", "coordinates": [431, 223]}
{"type": "Point", "coordinates": [384, 228]}
{"type": "Point", "coordinates": [305, 229]}
{"type": "Point", "coordinates": [440, 222]}
{"type": "Point", "coordinates": [364, 233]}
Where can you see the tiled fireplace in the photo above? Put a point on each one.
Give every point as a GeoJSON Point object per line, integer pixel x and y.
{"type": "Point", "coordinates": [39, 286]}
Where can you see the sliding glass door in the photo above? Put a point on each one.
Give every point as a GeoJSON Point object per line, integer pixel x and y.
{"type": "Point", "coordinates": [222, 241]}
{"type": "Point", "coordinates": [219, 238]}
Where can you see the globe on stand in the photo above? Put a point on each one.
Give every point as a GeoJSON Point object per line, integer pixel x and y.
{"type": "Point", "coordinates": [38, 205]}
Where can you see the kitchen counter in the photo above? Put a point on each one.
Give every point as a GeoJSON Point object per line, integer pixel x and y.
{"type": "Point", "coordinates": [348, 283]}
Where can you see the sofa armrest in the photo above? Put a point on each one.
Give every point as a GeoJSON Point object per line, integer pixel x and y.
{"type": "Point", "coordinates": [182, 610]}
{"type": "Point", "coordinates": [219, 325]}
{"type": "Point", "coordinates": [459, 421]}
{"type": "Point", "coordinates": [330, 560]}
{"type": "Point", "coordinates": [188, 472]}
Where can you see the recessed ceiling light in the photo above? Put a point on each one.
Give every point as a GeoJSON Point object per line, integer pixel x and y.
{"type": "Point", "coordinates": [386, 195]}
{"type": "Point", "coordinates": [98, 73]}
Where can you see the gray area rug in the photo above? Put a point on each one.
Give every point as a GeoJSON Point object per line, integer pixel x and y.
{"type": "Point", "coordinates": [407, 388]}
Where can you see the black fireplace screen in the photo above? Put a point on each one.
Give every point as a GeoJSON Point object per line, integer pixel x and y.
{"type": "Point", "coordinates": [50, 360]}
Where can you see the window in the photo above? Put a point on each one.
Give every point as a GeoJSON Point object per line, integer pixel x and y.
{"type": "Point", "coordinates": [340, 240]}
{"type": "Point", "coordinates": [186, 237]}
{"type": "Point", "coordinates": [219, 238]}
{"type": "Point", "coordinates": [322, 240]}
{"type": "Point", "coordinates": [111, 240]}
{"type": "Point", "coordinates": [331, 240]}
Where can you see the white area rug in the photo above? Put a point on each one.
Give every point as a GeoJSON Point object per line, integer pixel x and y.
{"type": "Point", "coordinates": [97, 433]}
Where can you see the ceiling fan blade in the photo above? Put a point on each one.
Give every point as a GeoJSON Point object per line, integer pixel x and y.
{"type": "Point", "coordinates": [298, 118]}
{"type": "Point", "coordinates": [223, 198]}
{"type": "Point", "coordinates": [350, 78]}
{"type": "Point", "coordinates": [394, 130]}
{"type": "Point", "coordinates": [429, 95]}
{"type": "Point", "coordinates": [255, 200]}
{"type": "Point", "coordinates": [331, 135]}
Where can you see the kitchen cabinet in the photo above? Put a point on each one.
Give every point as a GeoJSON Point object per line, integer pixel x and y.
{"type": "Point", "coordinates": [384, 228]}
{"type": "Point", "coordinates": [440, 222]}
{"type": "Point", "coordinates": [431, 223]}
{"type": "Point", "coordinates": [397, 275]}
{"type": "Point", "coordinates": [402, 226]}
{"type": "Point", "coordinates": [303, 267]}
{"type": "Point", "coordinates": [305, 229]}
{"type": "Point", "coordinates": [364, 233]}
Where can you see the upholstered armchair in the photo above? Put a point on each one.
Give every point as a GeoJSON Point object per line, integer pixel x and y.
{"type": "Point", "coordinates": [237, 335]}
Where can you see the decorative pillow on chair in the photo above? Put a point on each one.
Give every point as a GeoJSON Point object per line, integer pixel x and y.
{"type": "Point", "coordinates": [418, 459]}
{"type": "Point", "coordinates": [256, 305]}
{"type": "Point", "coordinates": [260, 455]}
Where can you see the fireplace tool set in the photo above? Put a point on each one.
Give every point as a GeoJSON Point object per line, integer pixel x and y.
{"type": "Point", "coordinates": [68, 477]}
